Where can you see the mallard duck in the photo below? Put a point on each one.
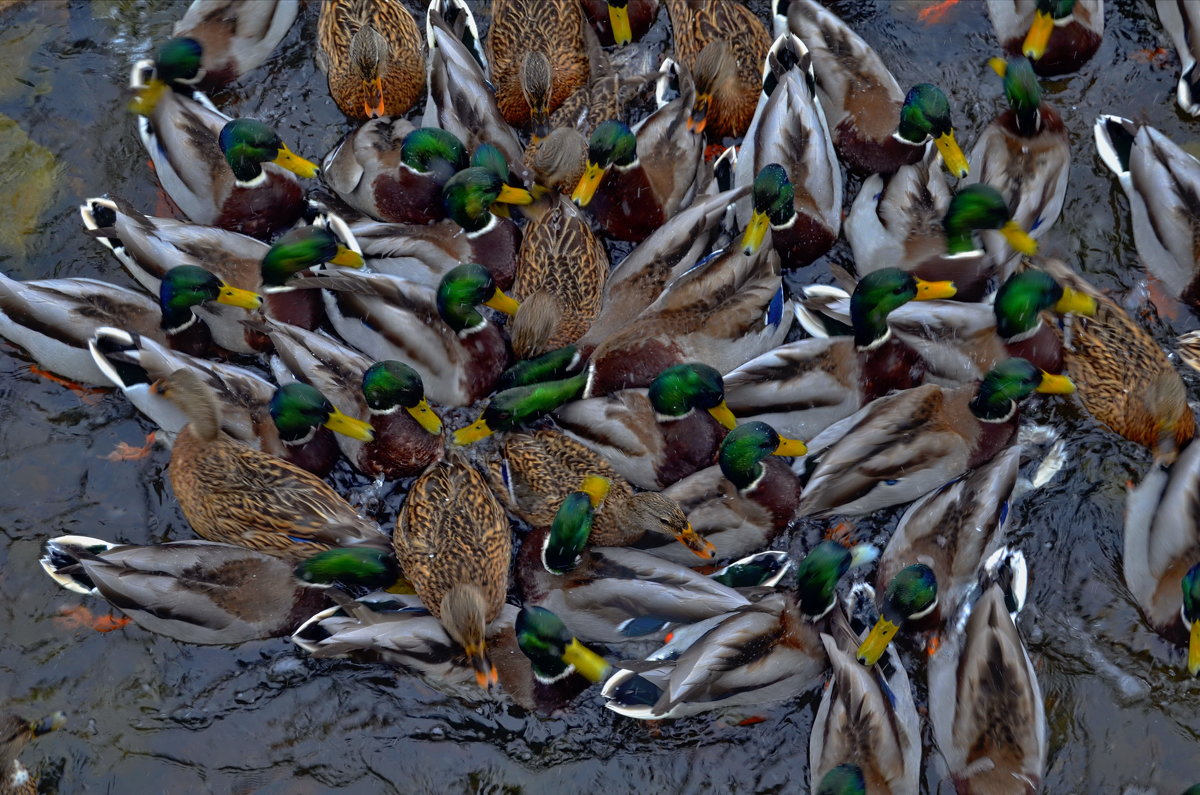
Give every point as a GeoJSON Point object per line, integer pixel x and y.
{"type": "Point", "coordinates": [453, 543]}
{"type": "Point", "coordinates": [1059, 36]}
{"type": "Point", "coordinates": [758, 654]}
{"type": "Point", "coordinates": [192, 591]}
{"type": "Point", "coordinates": [553, 651]}
{"type": "Point", "coordinates": [1159, 179]}
{"type": "Point", "coordinates": [468, 197]}
{"type": "Point", "coordinates": [237, 174]}
{"type": "Point", "coordinates": [371, 50]}
{"type": "Point", "coordinates": [985, 705]}
{"type": "Point", "coordinates": [553, 29]}
{"type": "Point", "coordinates": [620, 21]}
{"type": "Point", "coordinates": [911, 596]}
{"type": "Point", "coordinates": [461, 100]}
{"type": "Point", "coordinates": [53, 319]}
{"type": "Point", "coordinates": [903, 445]}
{"type": "Point", "coordinates": [726, 310]}
{"type": "Point", "coordinates": [866, 717]}
{"type": "Point", "coordinates": [1181, 21]}
{"type": "Point", "coordinates": [1125, 379]}
{"type": "Point", "coordinates": [637, 179]}
{"type": "Point", "coordinates": [236, 37]}
{"type": "Point", "coordinates": [405, 442]}
{"type": "Point", "coordinates": [15, 734]}
{"type": "Point", "coordinates": [516, 406]}
{"type": "Point", "coordinates": [696, 25]}
{"type": "Point", "coordinates": [876, 127]}
{"type": "Point", "coordinates": [306, 421]}
{"type": "Point", "coordinates": [233, 493]}
{"type": "Point", "coordinates": [1024, 153]}
{"type": "Point", "coordinates": [789, 137]}
{"type": "Point", "coordinates": [457, 352]}
{"type": "Point", "coordinates": [559, 160]}
{"type": "Point", "coordinates": [1162, 551]}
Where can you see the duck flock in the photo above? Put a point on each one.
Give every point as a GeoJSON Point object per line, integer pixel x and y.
{"type": "Point", "coordinates": [656, 422]}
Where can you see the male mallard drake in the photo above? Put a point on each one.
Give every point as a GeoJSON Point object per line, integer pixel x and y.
{"type": "Point", "coordinates": [985, 705]}
{"type": "Point", "coordinates": [1159, 179]}
{"type": "Point", "coordinates": [405, 441]}
{"type": "Point", "coordinates": [910, 597]}
{"type": "Point", "coordinates": [233, 173]}
{"type": "Point", "coordinates": [233, 493]}
{"type": "Point", "coordinates": [1024, 153]}
{"type": "Point", "coordinates": [876, 127]}
{"type": "Point", "coordinates": [1059, 36]}
{"type": "Point", "coordinates": [468, 197]}
{"type": "Point", "coordinates": [458, 353]}
{"type": "Point", "coordinates": [53, 319]}
{"type": "Point", "coordinates": [515, 406]}
{"type": "Point", "coordinates": [192, 591]}
{"type": "Point", "coordinates": [766, 652]}
{"type": "Point", "coordinates": [903, 445]}
{"type": "Point", "coordinates": [553, 652]}
{"type": "Point", "coordinates": [1181, 21]}
{"type": "Point", "coordinates": [453, 543]}
{"type": "Point", "coordinates": [696, 25]}
{"type": "Point", "coordinates": [15, 734]}
{"type": "Point", "coordinates": [788, 137]}
{"type": "Point", "coordinates": [371, 51]}
{"type": "Point", "coordinates": [1125, 379]}
{"type": "Point", "coordinates": [552, 28]}
{"type": "Point", "coordinates": [236, 37]}
{"type": "Point", "coordinates": [1162, 551]}
{"type": "Point", "coordinates": [866, 717]}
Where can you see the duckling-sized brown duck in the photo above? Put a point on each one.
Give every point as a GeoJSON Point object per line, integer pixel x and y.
{"type": "Point", "coordinates": [372, 53]}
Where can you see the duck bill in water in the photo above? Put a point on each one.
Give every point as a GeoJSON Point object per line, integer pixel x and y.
{"type": "Point", "coordinates": [956, 162]}
{"type": "Point", "coordinates": [586, 662]}
{"type": "Point", "coordinates": [234, 296]}
{"type": "Point", "coordinates": [1055, 384]}
{"type": "Point", "coordinates": [698, 544]}
{"type": "Point", "coordinates": [485, 673]}
{"type": "Point", "coordinates": [426, 417]}
{"type": "Point", "coordinates": [588, 183]}
{"type": "Point", "coordinates": [756, 232]}
{"type": "Point", "coordinates": [1018, 238]}
{"type": "Point", "coordinates": [350, 426]}
{"type": "Point", "coordinates": [295, 164]}
{"type": "Point", "coordinates": [1038, 36]}
{"type": "Point", "coordinates": [929, 291]}
{"type": "Point", "coordinates": [877, 642]}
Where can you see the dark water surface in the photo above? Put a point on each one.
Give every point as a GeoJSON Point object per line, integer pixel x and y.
{"type": "Point", "coordinates": [150, 714]}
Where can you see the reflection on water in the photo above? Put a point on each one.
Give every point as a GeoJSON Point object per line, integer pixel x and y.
{"type": "Point", "coordinates": [263, 716]}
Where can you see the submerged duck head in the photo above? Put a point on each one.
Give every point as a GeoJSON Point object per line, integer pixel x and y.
{"type": "Point", "coordinates": [844, 779]}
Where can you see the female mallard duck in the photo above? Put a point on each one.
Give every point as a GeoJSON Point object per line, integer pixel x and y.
{"type": "Point", "coordinates": [620, 21]}
{"type": "Point", "coordinates": [985, 705]}
{"type": "Point", "coordinates": [866, 717]}
{"type": "Point", "coordinates": [1159, 179]}
{"type": "Point", "coordinates": [458, 353]}
{"type": "Point", "coordinates": [1181, 21]}
{"type": "Point", "coordinates": [453, 543]}
{"type": "Point", "coordinates": [371, 50]}
{"type": "Point", "coordinates": [15, 734]}
{"type": "Point", "coordinates": [1162, 551]}
{"type": "Point", "coordinates": [876, 127]}
{"type": "Point", "coordinates": [192, 591]}
{"type": "Point", "coordinates": [405, 441]}
{"type": "Point", "coordinates": [53, 319]}
{"type": "Point", "coordinates": [766, 652]}
{"type": "Point", "coordinates": [554, 29]}
{"type": "Point", "coordinates": [236, 174]}
{"type": "Point", "coordinates": [903, 445]}
{"type": "Point", "coordinates": [805, 214]}
{"type": "Point", "coordinates": [233, 493]}
{"type": "Point", "coordinates": [1059, 36]}
{"type": "Point", "coordinates": [1024, 153]}
{"type": "Point", "coordinates": [236, 37]}
{"type": "Point", "coordinates": [696, 25]}
{"type": "Point", "coordinates": [1125, 379]}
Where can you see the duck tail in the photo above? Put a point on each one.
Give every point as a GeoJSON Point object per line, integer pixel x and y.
{"type": "Point", "coordinates": [62, 557]}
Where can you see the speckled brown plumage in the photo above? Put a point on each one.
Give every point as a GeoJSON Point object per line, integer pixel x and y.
{"type": "Point", "coordinates": [551, 27]}
{"type": "Point", "coordinates": [403, 71]}
{"type": "Point", "coordinates": [694, 24]}
{"type": "Point", "coordinates": [15, 734]}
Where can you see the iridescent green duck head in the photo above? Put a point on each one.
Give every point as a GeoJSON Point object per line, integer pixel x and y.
{"type": "Point", "coordinates": [1025, 295]}
{"type": "Point", "coordinates": [612, 145]}
{"type": "Point", "coordinates": [1048, 14]}
{"type": "Point", "coordinates": [925, 114]}
{"type": "Point", "coordinates": [844, 779]}
{"type": "Point", "coordinates": [433, 152]}
{"type": "Point", "coordinates": [823, 567]}
{"type": "Point", "coordinates": [1011, 381]}
{"type": "Point", "coordinates": [572, 525]}
{"type": "Point", "coordinates": [465, 287]}
{"type": "Point", "coordinates": [176, 64]}
{"type": "Point", "coordinates": [981, 206]}
{"type": "Point", "coordinates": [881, 292]}
{"type": "Point", "coordinates": [248, 144]}
{"type": "Point", "coordinates": [187, 286]}
{"type": "Point", "coordinates": [912, 594]}
{"type": "Point", "coordinates": [302, 248]}
{"type": "Point", "coordinates": [469, 195]}
{"type": "Point", "coordinates": [299, 410]}
{"type": "Point", "coordinates": [389, 386]}
{"type": "Point", "coordinates": [519, 405]}
{"type": "Point", "coordinates": [1190, 613]}
{"type": "Point", "coordinates": [351, 566]}
{"type": "Point", "coordinates": [1023, 92]}
{"type": "Point", "coordinates": [553, 651]}
{"type": "Point", "coordinates": [774, 206]}
{"type": "Point", "coordinates": [743, 449]}
{"type": "Point", "coordinates": [684, 388]}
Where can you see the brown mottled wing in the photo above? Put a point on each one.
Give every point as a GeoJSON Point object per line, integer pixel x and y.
{"type": "Point", "coordinates": [552, 27]}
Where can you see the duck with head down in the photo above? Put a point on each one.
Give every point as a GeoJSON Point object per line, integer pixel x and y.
{"type": "Point", "coordinates": [372, 52]}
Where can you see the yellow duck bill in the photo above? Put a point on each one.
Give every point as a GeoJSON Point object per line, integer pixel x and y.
{"type": "Point", "coordinates": [956, 162]}
{"type": "Point", "coordinates": [234, 296]}
{"type": "Point", "coordinates": [756, 232]}
{"type": "Point", "coordinates": [426, 417]}
{"type": "Point", "coordinates": [586, 662]}
{"type": "Point", "coordinates": [350, 426]}
{"type": "Point", "coordinates": [877, 642]}
{"type": "Point", "coordinates": [295, 164]}
{"type": "Point", "coordinates": [588, 183]}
